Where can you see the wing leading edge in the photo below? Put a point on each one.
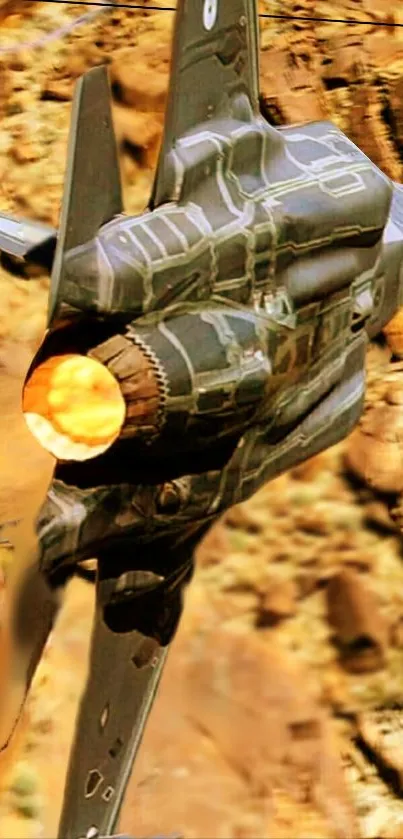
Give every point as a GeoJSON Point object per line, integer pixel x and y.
{"type": "Point", "coordinates": [21, 238]}
{"type": "Point", "coordinates": [215, 62]}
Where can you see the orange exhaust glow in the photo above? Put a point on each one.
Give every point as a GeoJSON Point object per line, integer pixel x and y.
{"type": "Point", "coordinates": [74, 407]}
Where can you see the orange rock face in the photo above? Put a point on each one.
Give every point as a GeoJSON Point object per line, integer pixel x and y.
{"type": "Point", "coordinates": [394, 333]}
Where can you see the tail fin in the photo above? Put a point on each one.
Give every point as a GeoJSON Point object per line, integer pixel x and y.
{"type": "Point", "coordinates": [92, 193]}
{"type": "Point", "coordinates": [215, 64]}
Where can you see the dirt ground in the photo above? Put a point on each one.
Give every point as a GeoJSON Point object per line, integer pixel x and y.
{"type": "Point", "coordinates": [281, 710]}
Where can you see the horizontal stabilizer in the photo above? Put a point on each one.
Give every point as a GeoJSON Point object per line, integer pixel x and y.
{"type": "Point", "coordinates": [21, 238]}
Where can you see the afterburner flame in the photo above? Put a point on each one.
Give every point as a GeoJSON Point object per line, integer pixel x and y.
{"type": "Point", "coordinates": [73, 406]}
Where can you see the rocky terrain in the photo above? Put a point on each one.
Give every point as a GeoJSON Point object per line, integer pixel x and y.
{"type": "Point", "coordinates": [281, 711]}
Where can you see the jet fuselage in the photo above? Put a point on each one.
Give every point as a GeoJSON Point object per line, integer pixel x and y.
{"type": "Point", "coordinates": [291, 228]}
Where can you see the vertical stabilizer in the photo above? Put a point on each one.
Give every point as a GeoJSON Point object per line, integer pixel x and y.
{"type": "Point", "coordinates": [215, 64]}
{"type": "Point", "coordinates": [92, 193]}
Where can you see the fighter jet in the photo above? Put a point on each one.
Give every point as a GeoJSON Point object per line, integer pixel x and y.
{"type": "Point", "coordinates": [245, 297]}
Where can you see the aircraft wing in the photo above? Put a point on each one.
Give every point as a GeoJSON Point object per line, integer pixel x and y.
{"type": "Point", "coordinates": [21, 238]}
{"type": "Point", "coordinates": [214, 61]}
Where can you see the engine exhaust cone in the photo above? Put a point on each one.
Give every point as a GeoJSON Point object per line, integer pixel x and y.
{"type": "Point", "coordinates": [73, 406]}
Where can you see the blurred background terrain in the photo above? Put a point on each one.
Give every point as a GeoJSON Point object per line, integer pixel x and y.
{"type": "Point", "coordinates": [281, 711]}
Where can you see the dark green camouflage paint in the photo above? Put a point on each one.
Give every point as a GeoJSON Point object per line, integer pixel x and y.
{"type": "Point", "coordinates": [265, 352]}
{"type": "Point", "coordinates": [266, 260]}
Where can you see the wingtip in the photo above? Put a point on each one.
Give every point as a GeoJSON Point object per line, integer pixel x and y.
{"type": "Point", "coordinates": [20, 238]}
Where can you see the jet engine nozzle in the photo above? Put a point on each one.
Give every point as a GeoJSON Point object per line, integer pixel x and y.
{"type": "Point", "coordinates": [77, 403]}
{"type": "Point", "coordinates": [171, 386]}
{"type": "Point", "coordinates": [73, 406]}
